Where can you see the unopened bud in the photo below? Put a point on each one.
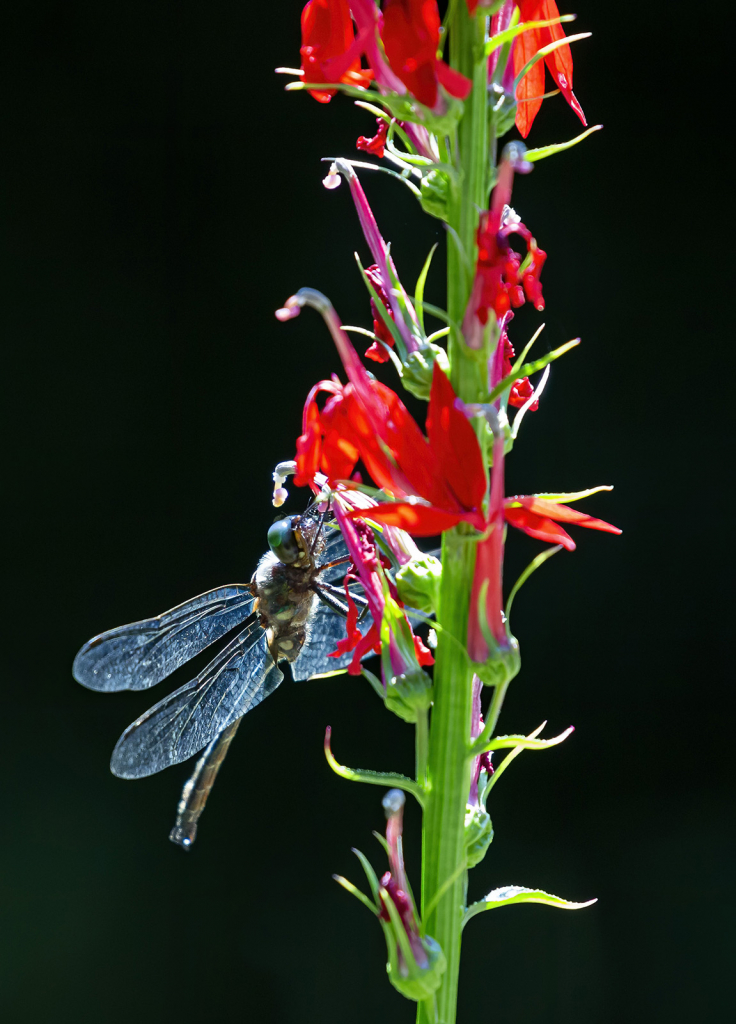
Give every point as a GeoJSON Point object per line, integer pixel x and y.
{"type": "Point", "coordinates": [393, 802]}
{"type": "Point", "coordinates": [478, 835]}
{"type": "Point", "coordinates": [435, 190]}
{"type": "Point", "coordinates": [408, 694]}
{"type": "Point", "coordinates": [502, 665]}
{"type": "Point", "coordinates": [419, 366]}
{"type": "Point", "coordinates": [418, 583]}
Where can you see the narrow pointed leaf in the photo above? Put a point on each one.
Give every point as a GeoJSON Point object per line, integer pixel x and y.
{"type": "Point", "coordinates": [544, 151]}
{"type": "Point", "coordinates": [509, 894]}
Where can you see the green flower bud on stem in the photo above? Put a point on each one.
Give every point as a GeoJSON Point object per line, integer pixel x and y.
{"type": "Point", "coordinates": [418, 583]}
{"type": "Point", "coordinates": [502, 665]}
{"type": "Point", "coordinates": [435, 189]}
{"type": "Point", "coordinates": [478, 835]}
{"type": "Point", "coordinates": [419, 367]}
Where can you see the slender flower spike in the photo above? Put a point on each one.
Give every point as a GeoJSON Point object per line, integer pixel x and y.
{"type": "Point", "coordinates": [415, 963]}
{"type": "Point", "coordinates": [559, 63]}
{"type": "Point", "coordinates": [327, 33]}
{"type": "Point", "coordinates": [411, 35]}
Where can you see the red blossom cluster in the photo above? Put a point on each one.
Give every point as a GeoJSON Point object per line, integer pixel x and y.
{"type": "Point", "coordinates": [399, 45]}
{"type": "Point", "coordinates": [507, 279]}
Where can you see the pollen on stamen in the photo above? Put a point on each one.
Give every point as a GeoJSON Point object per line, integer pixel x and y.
{"type": "Point", "coordinates": [333, 178]}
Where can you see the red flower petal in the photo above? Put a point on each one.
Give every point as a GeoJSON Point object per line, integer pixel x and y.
{"type": "Point", "coordinates": [419, 520]}
{"type": "Point", "coordinates": [453, 81]}
{"type": "Point", "coordinates": [531, 87]}
{"type": "Point", "coordinates": [539, 526]}
{"type": "Point", "coordinates": [453, 440]}
{"type": "Point", "coordinates": [561, 513]}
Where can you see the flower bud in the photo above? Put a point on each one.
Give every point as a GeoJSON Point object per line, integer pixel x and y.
{"type": "Point", "coordinates": [501, 666]}
{"type": "Point", "coordinates": [435, 188]}
{"type": "Point", "coordinates": [478, 834]}
{"type": "Point", "coordinates": [419, 367]}
{"type": "Point", "coordinates": [409, 693]}
{"type": "Point", "coordinates": [415, 962]}
{"type": "Point", "coordinates": [418, 583]}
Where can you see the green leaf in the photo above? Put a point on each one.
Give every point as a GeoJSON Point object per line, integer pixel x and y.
{"type": "Point", "coordinates": [529, 368]}
{"type": "Point", "coordinates": [370, 874]}
{"type": "Point", "coordinates": [387, 779]}
{"type": "Point", "coordinates": [525, 742]}
{"type": "Point", "coordinates": [544, 151]}
{"type": "Point", "coordinates": [511, 33]}
{"type": "Point", "coordinates": [501, 768]}
{"type": "Point", "coordinates": [355, 892]}
{"type": "Point", "coordinates": [419, 291]}
{"type": "Point", "coordinates": [509, 894]}
{"type": "Point", "coordinates": [574, 495]}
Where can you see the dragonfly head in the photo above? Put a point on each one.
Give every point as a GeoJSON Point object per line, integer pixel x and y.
{"type": "Point", "coordinates": [283, 540]}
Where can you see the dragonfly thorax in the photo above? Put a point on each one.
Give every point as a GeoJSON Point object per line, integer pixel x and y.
{"type": "Point", "coordinates": [284, 601]}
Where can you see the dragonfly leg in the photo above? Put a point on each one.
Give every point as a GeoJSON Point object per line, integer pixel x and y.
{"type": "Point", "coordinates": [197, 788]}
{"type": "Point", "coordinates": [333, 597]}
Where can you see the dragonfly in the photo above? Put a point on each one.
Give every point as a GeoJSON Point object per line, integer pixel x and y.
{"type": "Point", "coordinates": [292, 610]}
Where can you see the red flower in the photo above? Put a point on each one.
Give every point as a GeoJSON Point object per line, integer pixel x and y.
{"type": "Point", "coordinates": [522, 390]}
{"type": "Point", "coordinates": [503, 278]}
{"type": "Point", "coordinates": [377, 352]}
{"type": "Point", "coordinates": [539, 517]}
{"type": "Point", "coordinates": [377, 145]}
{"type": "Point", "coordinates": [559, 63]}
{"type": "Point", "coordinates": [327, 32]}
{"type": "Point", "coordinates": [411, 34]}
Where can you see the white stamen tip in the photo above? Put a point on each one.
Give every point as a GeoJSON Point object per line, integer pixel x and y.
{"type": "Point", "coordinates": [333, 178]}
{"type": "Point", "coordinates": [279, 496]}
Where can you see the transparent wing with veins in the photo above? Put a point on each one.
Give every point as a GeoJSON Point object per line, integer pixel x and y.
{"type": "Point", "coordinates": [141, 654]}
{"type": "Point", "coordinates": [183, 723]}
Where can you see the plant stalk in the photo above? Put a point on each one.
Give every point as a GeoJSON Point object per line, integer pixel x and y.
{"type": "Point", "coordinates": [448, 780]}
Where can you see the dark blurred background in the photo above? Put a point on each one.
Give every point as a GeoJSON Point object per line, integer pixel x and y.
{"type": "Point", "coordinates": [161, 198]}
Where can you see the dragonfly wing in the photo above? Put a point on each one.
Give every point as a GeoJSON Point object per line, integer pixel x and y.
{"type": "Point", "coordinates": [141, 654]}
{"type": "Point", "coordinates": [183, 723]}
{"type": "Point", "coordinates": [326, 628]}
{"type": "Point", "coordinates": [335, 547]}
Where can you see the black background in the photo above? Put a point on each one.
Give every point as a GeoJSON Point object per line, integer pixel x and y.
{"type": "Point", "coordinates": [162, 197]}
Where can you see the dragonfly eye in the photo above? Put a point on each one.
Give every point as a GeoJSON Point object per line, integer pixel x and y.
{"type": "Point", "coordinates": [282, 541]}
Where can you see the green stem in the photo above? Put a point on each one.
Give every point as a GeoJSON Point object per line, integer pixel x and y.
{"type": "Point", "coordinates": [448, 780]}
{"type": "Point", "coordinates": [422, 747]}
{"type": "Point", "coordinates": [449, 770]}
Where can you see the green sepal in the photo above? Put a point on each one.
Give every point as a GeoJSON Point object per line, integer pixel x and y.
{"type": "Point", "coordinates": [417, 370]}
{"type": "Point", "coordinates": [418, 583]}
{"type": "Point", "coordinates": [383, 312]}
{"type": "Point", "coordinates": [408, 978]}
{"type": "Point", "coordinates": [408, 694]}
{"type": "Point", "coordinates": [419, 289]}
{"type": "Point", "coordinates": [532, 155]}
{"type": "Point", "coordinates": [510, 894]}
{"type": "Point", "coordinates": [478, 835]}
{"type": "Point", "coordinates": [411, 691]}
{"type": "Point", "coordinates": [434, 194]}
{"type": "Point", "coordinates": [386, 779]}
{"type": "Point", "coordinates": [524, 742]}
